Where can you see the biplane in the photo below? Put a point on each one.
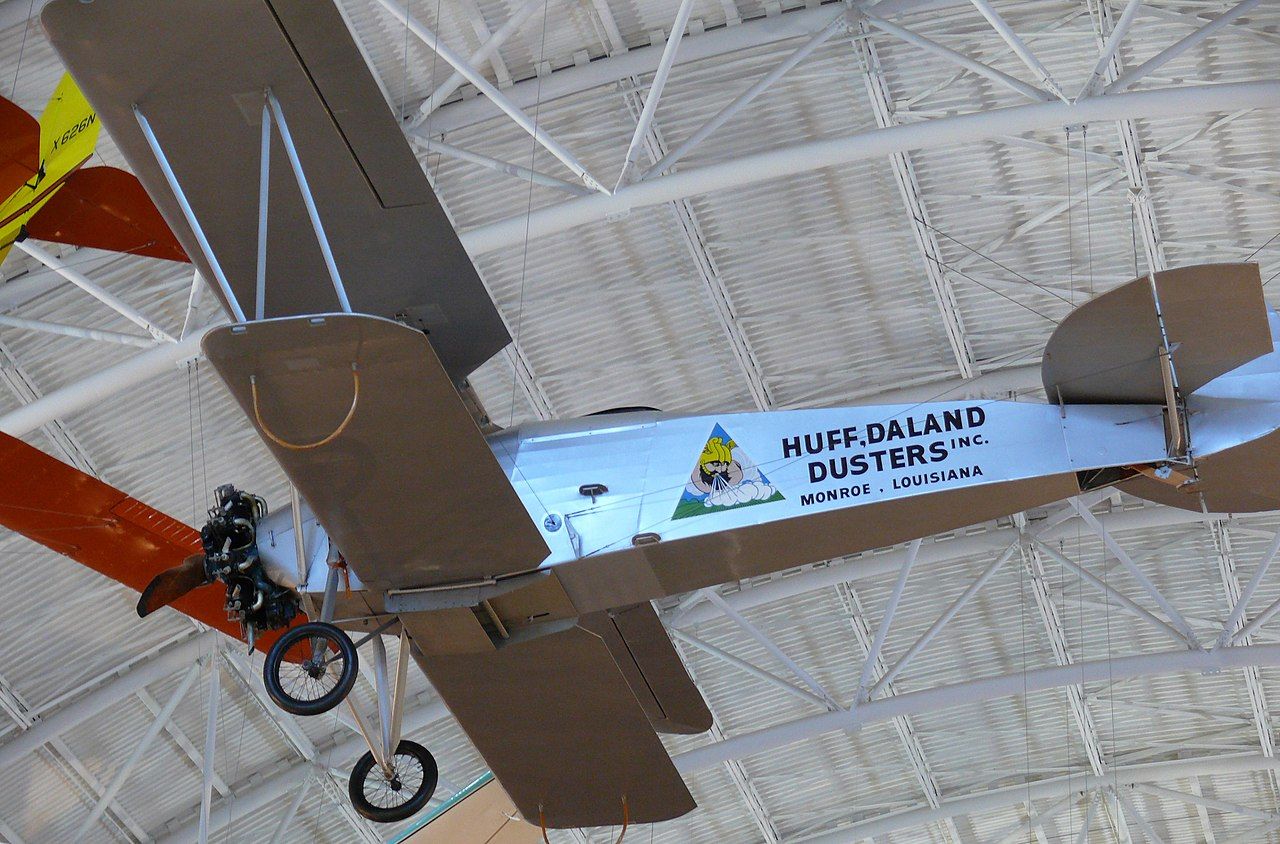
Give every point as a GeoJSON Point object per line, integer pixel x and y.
{"type": "Point", "coordinates": [519, 566]}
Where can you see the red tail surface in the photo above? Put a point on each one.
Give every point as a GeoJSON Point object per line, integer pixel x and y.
{"type": "Point", "coordinates": [105, 208]}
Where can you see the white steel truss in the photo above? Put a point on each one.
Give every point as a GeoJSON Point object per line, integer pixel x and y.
{"type": "Point", "coordinates": [815, 155]}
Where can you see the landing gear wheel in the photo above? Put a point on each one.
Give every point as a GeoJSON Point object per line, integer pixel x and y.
{"type": "Point", "coordinates": [384, 799]}
{"type": "Point", "coordinates": [310, 669]}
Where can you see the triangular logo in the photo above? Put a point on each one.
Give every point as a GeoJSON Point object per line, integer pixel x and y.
{"type": "Point", "coordinates": [723, 478]}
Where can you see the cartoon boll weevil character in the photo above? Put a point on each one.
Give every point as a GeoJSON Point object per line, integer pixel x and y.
{"type": "Point", "coordinates": [716, 469]}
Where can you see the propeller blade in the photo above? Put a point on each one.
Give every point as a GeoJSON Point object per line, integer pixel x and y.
{"type": "Point", "coordinates": [171, 584]}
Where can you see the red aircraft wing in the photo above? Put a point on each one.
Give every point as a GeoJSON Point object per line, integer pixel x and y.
{"type": "Point", "coordinates": [101, 527]}
{"type": "Point", "coordinates": [19, 148]}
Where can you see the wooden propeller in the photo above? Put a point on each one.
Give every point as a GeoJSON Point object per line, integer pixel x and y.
{"type": "Point", "coordinates": [171, 584]}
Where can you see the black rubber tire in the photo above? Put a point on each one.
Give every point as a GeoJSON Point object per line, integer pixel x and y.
{"type": "Point", "coordinates": [413, 803]}
{"type": "Point", "coordinates": [346, 649]}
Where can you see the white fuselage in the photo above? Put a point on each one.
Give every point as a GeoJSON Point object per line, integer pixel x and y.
{"type": "Point", "coordinates": [603, 483]}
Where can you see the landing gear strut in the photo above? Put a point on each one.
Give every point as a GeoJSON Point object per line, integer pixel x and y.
{"type": "Point", "coordinates": [313, 667]}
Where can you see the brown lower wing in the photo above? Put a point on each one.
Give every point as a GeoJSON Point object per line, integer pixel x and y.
{"type": "Point", "coordinates": [557, 723]}
{"type": "Point", "coordinates": [647, 572]}
{"type": "Point", "coordinates": [645, 656]}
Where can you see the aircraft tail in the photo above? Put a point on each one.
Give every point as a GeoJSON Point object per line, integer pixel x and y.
{"type": "Point", "coordinates": [95, 207]}
{"type": "Point", "coordinates": [1107, 351]}
{"type": "Point", "coordinates": [68, 130]}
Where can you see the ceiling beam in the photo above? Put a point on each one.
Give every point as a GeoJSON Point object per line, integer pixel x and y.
{"type": "Point", "coordinates": [706, 269]}
{"type": "Point", "coordinates": [1004, 798]}
{"type": "Point", "coordinates": [908, 738]}
{"type": "Point", "coordinates": [950, 696]}
{"type": "Point", "coordinates": [1131, 156]}
{"type": "Point", "coordinates": [742, 781]}
{"type": "Point", "coordinates": [91, 390]}
{"type": "Point", "coordinates": [81, 709]}
{"type": "Point", "coordinates": [904, 171]}
{"type": "Point", "coordinates": [804, 157]}
{"type": "Point", "coordinates": [255, 792]}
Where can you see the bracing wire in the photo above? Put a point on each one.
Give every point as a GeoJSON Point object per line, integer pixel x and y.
{"type": "Point", "coordinates": [1071, 284]}
{"type": "Point", "coordinates": [1088, 209]}
{"type": "Point", "coordinates": [528, 216]}
{"type": "Point", "coordinates": [1026, 710]}
{"type": "Point", "coordinates": [26, 29]}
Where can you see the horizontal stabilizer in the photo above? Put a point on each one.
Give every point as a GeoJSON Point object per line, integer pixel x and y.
{"type": "Point", "coordinates": [559, 726]}
{"type": "Point", "coordinates": [643, 651]}
{"type": "Point", "coordinates": [105, 208]}
{"type": "Point", "coordinates": [1107, 350]}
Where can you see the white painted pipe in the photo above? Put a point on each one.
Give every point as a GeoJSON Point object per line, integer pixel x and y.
{"type": "Point", "coordinates": [93, 389]}
{"type": "Point", "coordinates": [1001, 798]}
{"type": "Point", "coordinates": [1031, 92]}
{"type": "Point", "coordinates": [433, 42]}
{"type": "Point", "coordinates": [1014, 684]}
{"type": "Point", "coordinates": [139, 750]}
{"type": "Point", "coordinates": [1016, 44]}
{"type": "Point", "coordinates": [655, 88]}
{"type": "Point", "coordinates": [479, 57]}
{"type": "Point", "coordinates": [80, 280]}
{"type": "Point", "coordinates": [505, 167]}
{"type": "Point", "coordinates": [287, 818]}
{"type": "Point", "coordinates": [209, 760]}
{"type": "Point", "coordinates": [890, 610]}
{"type": "Point", "coordinates": [78, 711]}
{"type": "Point", "coordinates": [641, 61]}
{"type": "Point", "coordinates": [271, 791]}
{"type": "Point", "coordinates": [1242, 603]}
{"type": "Point", "coordinates": [638, 62]}
{"type": "Point", "coordinates": [1208, 802]}
{"type": "Point", "coordinates": [1118, 32]}
{"type": "Point", "coordinates": [1172, 52]}
{"type": "Point", "coordinates": [77, 332]}
{"type": "Point", "coordinates": [879, 143]}
{"type": "Point", "coordinates": [746, 97]}
{"type": "Point", "coordinates": [927, 636]}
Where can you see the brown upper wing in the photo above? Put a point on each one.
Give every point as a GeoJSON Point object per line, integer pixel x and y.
{"type": "Point", "coordinates": [197, 70]}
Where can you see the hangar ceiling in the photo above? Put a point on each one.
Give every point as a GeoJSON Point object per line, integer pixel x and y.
{"type": "Point", "coordinates": [830, 203]}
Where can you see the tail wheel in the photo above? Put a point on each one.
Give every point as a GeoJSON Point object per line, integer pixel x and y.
{"type": "Point", "coordinates": [310, 669]}
{"type": "Point", "coordinates": [385, 797]}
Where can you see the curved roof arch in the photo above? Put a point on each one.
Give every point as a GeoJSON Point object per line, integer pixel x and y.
{"type": "Point", "coordinates": [830, 203]}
